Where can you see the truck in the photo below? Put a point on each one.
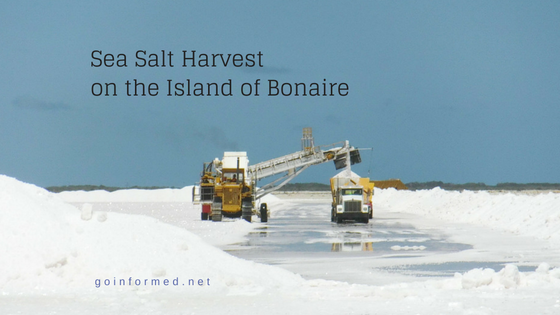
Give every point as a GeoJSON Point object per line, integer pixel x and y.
{"type": "Point", "coordinates": [228, 187]}
{"type": "Point", "coordinates": [351, 197]}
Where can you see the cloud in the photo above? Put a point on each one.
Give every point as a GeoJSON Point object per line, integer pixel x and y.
{"type": "Point", "coordinates": [35, 104]}
{"type": "Point", "coordinates": [218, 138]}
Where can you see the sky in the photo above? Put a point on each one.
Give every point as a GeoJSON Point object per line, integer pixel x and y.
{"type": "Point", "coordinates": [454, 91]}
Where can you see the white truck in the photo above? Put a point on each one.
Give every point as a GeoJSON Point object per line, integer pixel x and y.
{"type": "Point", "coordinates": [351, 197]}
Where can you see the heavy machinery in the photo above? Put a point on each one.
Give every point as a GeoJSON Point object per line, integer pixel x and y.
{"type": "Point", "coordinates": [228, 187]}
{"type": "Point", "coordinates": [225, 189]}
{"type": "Point", "coordinates": [390, 183]}
{"type": "Point", "coordinates": [351, 197]}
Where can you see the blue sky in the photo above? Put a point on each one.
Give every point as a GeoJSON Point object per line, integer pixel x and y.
{"type": "Point", "coordinates": [457, 91]}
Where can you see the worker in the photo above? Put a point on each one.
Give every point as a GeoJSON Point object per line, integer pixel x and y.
{"type": "Point", "coordinates": [234, 179]}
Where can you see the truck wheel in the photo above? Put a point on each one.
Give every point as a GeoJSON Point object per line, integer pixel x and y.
{"type": "Point", "coordinates": [247, 210]}
{"type": "Point", "coordinates": [264, 213]}
{"type": "Point", "coordinates": [217, 217]}
{"type": "Point", "coordinates": [333, 215]}
{"type": "Point", "coordinates": [204, 216]}
{"type": "Point", "coordinates": [338, 220]}
{"type": "Point", "coordinates": [366, 220]}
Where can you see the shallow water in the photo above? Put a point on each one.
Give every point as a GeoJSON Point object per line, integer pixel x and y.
{"type": "Point", "coordinates": [306, 228]}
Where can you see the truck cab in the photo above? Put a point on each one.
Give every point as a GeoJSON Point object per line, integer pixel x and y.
{"type": "Point", "coordinates": [348, 205]}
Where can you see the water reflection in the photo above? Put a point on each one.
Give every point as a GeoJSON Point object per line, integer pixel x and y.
{"type": "Point", "coordinates": [352, 247]}
{"type": "Point", "coordinates": [258, 234]}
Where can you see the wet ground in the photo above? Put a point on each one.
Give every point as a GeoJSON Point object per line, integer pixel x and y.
{"type": "Point", "coordinates": [305, 228]}
{"type": "Point", "coordinates": [301, 238]}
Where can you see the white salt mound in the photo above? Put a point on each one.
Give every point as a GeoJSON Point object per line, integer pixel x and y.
{"type": "Point", "coordinates": [50, 246]}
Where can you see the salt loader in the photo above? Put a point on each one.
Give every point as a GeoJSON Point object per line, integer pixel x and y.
{"type": "Point", "coordinates": [228, 187]}
{"type": "Point", "coordinates": [225, 189]}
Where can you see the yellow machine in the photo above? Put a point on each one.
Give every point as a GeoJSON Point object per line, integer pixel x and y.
{"type": "Point", "coordinates": [390, 183]}
{"type": "Point", "coordinates": [226, 191]}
